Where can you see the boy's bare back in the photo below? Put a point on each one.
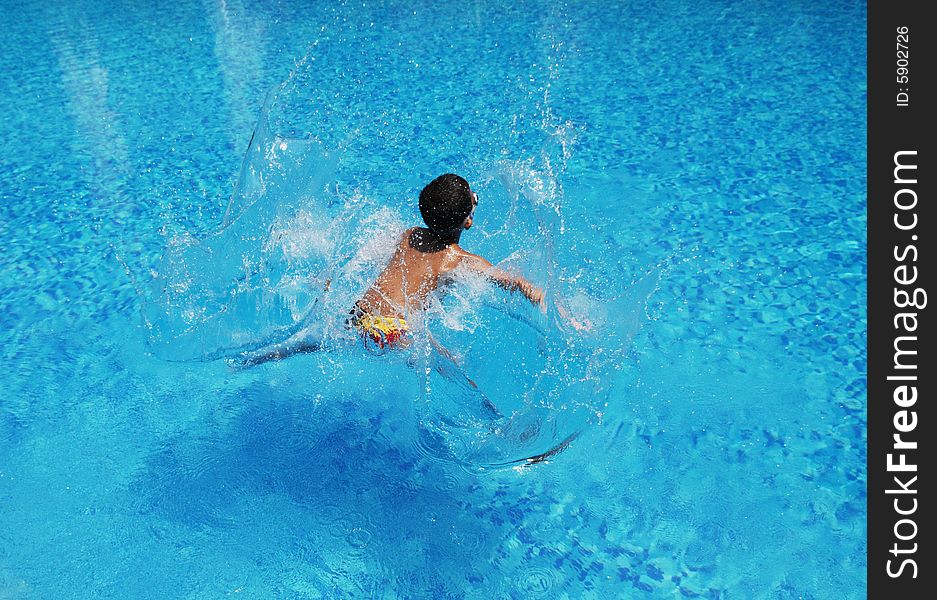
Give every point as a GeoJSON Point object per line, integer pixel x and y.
{"type": "Point", "coordinates": [411, 275]}
{"type": "Point", "coordinates": [425, 255]}
{"type": "Point", "coordinates": [420, 262]}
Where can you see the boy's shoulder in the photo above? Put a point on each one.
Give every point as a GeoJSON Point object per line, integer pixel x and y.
{"type": "Point", "coordinates": [469, 259]}
{"type": "Point", "coordinates": [406, 238]}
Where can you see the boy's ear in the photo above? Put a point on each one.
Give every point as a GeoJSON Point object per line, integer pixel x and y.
{"type": "Point", "coordinates": [468, 222]}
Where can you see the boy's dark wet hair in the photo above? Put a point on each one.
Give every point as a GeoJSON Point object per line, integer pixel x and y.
{"type": "Point", "coordinates": [445, 203]}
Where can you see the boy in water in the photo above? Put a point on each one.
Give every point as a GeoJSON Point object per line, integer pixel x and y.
{"type": "Point", "coordinates": [423, 258]}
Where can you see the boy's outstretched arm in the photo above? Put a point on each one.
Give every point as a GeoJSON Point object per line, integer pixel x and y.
{"type": "Point", "coordinates": [512, 283]}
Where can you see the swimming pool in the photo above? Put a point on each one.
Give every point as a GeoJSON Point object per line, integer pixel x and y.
{"type": "Point", "coordinates": [719, 148]}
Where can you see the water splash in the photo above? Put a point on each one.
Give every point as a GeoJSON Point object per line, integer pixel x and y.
{"type": "Point", "coordinates": [304, 235]}
{"type": "Point", "coordinates": [547, 375]}
{"type": "Point", "coordinates": [258, 277]}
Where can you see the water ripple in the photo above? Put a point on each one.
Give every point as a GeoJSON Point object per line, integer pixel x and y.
{"type": "Point", "coordinates": [537, 582]}
{"type": "Point", "coordinates": [358, 537]}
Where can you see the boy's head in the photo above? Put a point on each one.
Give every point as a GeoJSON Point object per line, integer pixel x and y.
{"type": "Point", "coordinates": [447, 204]}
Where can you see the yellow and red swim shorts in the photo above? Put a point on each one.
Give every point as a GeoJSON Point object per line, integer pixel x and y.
{"type": "Point", "coordinates": [383, 331]}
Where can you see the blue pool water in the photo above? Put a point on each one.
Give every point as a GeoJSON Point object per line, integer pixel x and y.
{"type": "Point", "coordinates": [691, 176]}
